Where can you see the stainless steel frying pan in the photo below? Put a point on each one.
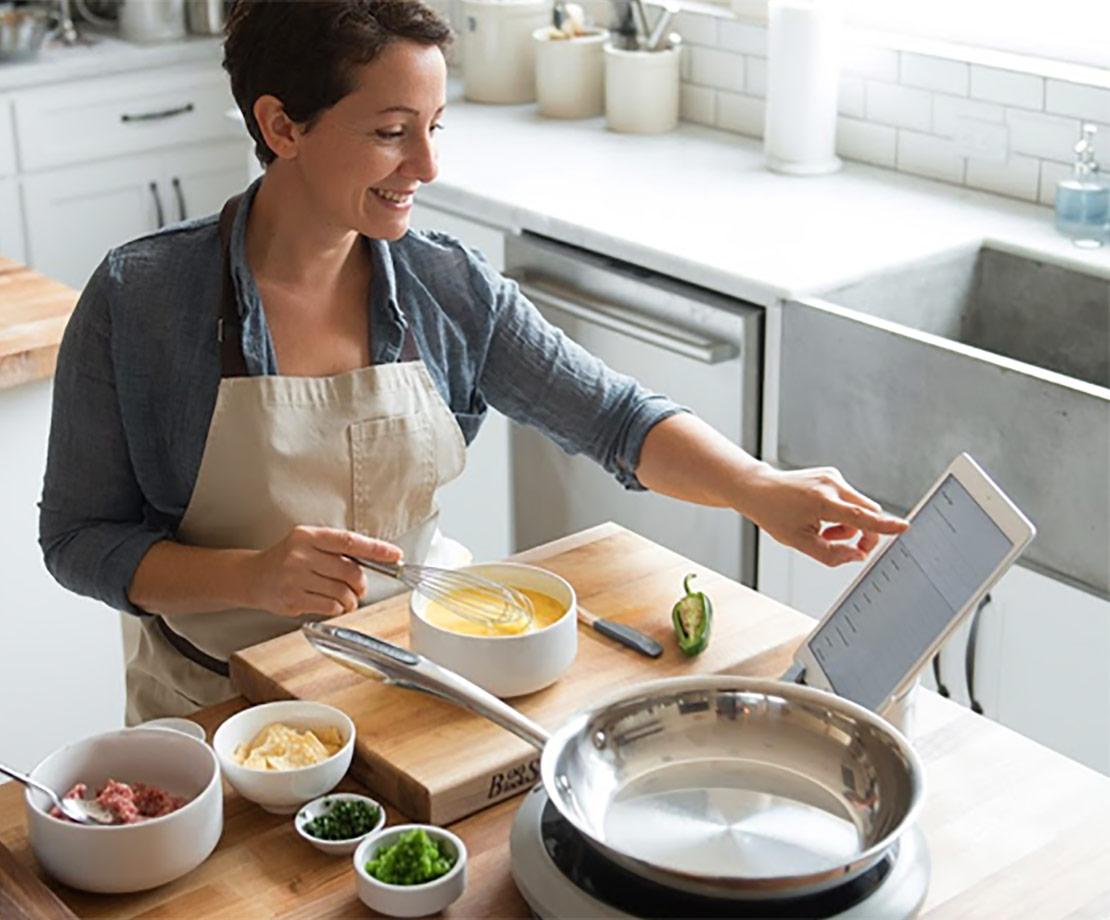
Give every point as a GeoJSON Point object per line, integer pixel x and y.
{"type": "Point", "coordinates": [720, 786]}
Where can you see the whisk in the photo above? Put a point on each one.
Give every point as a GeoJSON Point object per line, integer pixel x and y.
{"type": "Point", "coordinates": [479, 600]}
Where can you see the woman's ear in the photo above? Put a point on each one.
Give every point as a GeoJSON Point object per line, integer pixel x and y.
{"type": "Point", "coordinates": [279, 131]}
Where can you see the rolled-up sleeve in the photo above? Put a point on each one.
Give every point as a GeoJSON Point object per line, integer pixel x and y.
{"type": "Point", "coordinates": [538, 376]}
{"type": "Point", "coordinates": [92, 526]}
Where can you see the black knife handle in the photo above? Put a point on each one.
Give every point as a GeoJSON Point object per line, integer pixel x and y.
{"type": "Point", "coordinates": [633, 638]}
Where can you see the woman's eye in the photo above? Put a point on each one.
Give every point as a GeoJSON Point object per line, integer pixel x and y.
{"type": "Point", "coordinates": [391, 134]}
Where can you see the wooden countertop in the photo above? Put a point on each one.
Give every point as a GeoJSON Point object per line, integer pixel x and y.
{"type": "Point", "coordinates": [1014, 830]}
{"type": "Point", "coordinates": [34, 311]}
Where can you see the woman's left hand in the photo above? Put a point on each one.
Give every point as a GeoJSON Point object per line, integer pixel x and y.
{"type": "Point", "coordinates": [817, 512]}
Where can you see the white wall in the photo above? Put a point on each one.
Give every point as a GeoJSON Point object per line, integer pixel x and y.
{"type": "Point", "coordinates": [61, 659]}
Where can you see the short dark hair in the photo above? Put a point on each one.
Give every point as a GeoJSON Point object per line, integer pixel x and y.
{"type": "Point", "coordinates": [305, 52]}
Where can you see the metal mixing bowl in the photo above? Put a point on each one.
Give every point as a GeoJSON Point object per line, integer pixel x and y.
{"type": "Point", "coordinates": [23, 30]}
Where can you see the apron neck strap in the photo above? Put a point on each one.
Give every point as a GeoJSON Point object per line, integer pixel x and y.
{"type": "Point", "coordinates": [230, 327]}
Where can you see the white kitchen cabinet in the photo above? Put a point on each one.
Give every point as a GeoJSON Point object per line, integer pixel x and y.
{"type": "Point", "coordinates": [476, 509]}
{"type": "Point", "coordinates": [7, 138]}
{"type": "Point", "coordinates": [1042, 656]}
{"type": "Point", "coordinates": [76, 214]}
{"type": "Point", "coordinates": [11, 221]}
{"type": "Point", "coordinates": [61, 660]}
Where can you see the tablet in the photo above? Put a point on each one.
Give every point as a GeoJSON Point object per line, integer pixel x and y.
{"type": "Point", "coordinates": [911, 596]}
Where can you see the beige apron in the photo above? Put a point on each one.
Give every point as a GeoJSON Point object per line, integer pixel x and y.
{"type": "Point", "coordinates": [363, 451]}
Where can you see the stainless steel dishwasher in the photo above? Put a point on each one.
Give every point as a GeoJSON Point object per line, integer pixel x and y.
{"type": "Point", "coordinates": [701, 349]}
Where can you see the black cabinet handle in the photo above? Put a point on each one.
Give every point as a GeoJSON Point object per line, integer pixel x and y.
{"type": "Point", "coordinates": [158, 116]}
{"type": "Point", "coordinates": [158, 205]}
{"type": "Point", "coordinates": [176, 183]}
{"type": "Point", "coordinates": [969, 659]}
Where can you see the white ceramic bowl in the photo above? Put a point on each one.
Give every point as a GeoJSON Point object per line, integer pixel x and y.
{"type": "Point", "coordinates": [284, 791]}
{"type": "Point", "coordinates": [128, 857]}
{"type": "Point", "coordinates": [187, 726]}
{"type": "Point", "coordinates": [409, 900]}
{"type": "Point", "coordinates": [506, 666]}
{"type": "Point", "coordinates": [322, 806]}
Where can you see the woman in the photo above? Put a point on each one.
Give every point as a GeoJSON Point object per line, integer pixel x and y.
{"type": "Point", "coordinates": [243, 403]}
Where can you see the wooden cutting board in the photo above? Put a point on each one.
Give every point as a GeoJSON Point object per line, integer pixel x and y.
{"type": "Point", "coordinates": [437, 762]}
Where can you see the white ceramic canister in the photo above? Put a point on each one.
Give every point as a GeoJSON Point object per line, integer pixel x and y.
{"type": "Point", "coordinates": [499, 56]}
{"type": "Point", "coordinates": [641, 89]}
{"type": "Point", "coordinates": [570, 74]}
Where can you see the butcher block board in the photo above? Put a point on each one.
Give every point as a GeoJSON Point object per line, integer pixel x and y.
{"type": "Point", "coordinates": [437, 762]}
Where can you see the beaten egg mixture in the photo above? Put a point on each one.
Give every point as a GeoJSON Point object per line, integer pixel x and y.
{"type": "Point", "coordinates": [546, 609]}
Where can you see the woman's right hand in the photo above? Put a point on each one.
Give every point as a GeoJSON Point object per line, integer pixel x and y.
{"type": "Point", "coordinates": [309, 571]}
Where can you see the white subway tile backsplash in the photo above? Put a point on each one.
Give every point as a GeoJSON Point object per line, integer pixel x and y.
{"type": "Point", "coordinates": [865, 141]}
{"type": "Point", "coordinates": [949, 110]}
{"type": "Point", "coordinates": [901, 106]}
{"type": "Point", "coordinates": [743, 114]}
{"type": "Point", "coordinates": [1090, 103]}
{"type": "Point", "coordinates": [935, 73]}
{"type": "Point", "coordinates": [1051, 174]}
{"type": "Point", "coordinates": [1008, 87]}
{"type": "Point", "coordinates": [1018, 177]}
{"type": "Point", "coordinates": [742, 37]}
{"type": "Point", "coordinates": [755, 76]}
{"type": "Point", "coordinates": [696, 29]}
{"type": "Point", "coordinates": [697, 104]}
{"type": "Point", "coordinates": [987, 127]}
{"type": "Point", "coordinates": [869, 61]}
{"type": "Point", "coordinates": [928, 155]}
{"type": "Point", "coordinates": [1051, 137]}
{"type": "Point", "coordinates": [850, 97]}
{"type": "Point", "coordinates": [719, 69]}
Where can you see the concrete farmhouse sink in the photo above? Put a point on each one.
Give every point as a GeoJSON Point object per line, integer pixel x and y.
{"type": "Point", "coordinates": [1004, 356]}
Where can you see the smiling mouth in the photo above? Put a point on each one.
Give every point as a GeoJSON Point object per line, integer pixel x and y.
{"type": "Point", "coordinates": [394, 197]}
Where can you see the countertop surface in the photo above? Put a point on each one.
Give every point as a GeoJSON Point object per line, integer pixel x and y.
{"type": "Point", "coordinates": [699, 205]}
{"type": "Point", "coordinates": [34, 311]}
{"type": "Point", "coordinates": [101, 55]}
{"type": "Point", "coordinates": [1014, 830]}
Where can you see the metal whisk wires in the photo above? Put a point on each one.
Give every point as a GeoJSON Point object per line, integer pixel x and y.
{"type": "Point", "coordinates": [495, 606]}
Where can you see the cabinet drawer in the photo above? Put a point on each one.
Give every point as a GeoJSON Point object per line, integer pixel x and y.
{"type": "Point", "coordinates": [62, 125]}
{"type": "Point", "coordinates": [7, 138]}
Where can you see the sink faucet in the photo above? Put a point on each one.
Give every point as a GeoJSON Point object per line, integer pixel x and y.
{"type": "Point", "coordinates": [67, 31]}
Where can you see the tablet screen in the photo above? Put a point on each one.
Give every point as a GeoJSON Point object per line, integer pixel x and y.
{"type": "Point", "coordinates": [909, 596]}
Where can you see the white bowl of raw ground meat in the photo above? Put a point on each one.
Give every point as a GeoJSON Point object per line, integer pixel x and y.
{"type": "Point", "coordinates": [169, 775]}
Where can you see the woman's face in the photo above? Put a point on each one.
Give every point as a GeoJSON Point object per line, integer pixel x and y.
{"type": "Point", "coordinates": [363, 158]}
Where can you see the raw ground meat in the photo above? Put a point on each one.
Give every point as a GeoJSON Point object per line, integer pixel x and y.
{"type": "Point", "coordinates": [132, 803]}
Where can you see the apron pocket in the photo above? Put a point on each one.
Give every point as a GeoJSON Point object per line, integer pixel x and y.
{"type": "Point", "coordinates": [393, 475]}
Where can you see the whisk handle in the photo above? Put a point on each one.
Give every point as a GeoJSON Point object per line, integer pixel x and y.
{"type": "Point", "coordinates": [392, 569]}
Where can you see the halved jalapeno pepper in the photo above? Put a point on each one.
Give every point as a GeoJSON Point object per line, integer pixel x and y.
{"type": "Point", "coordinates": [692, 617]}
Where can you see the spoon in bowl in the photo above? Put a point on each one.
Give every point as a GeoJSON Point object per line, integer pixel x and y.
{"type": "Point", "coordinates": [82, 811]}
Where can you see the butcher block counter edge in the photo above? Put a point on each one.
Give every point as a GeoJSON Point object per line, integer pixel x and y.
{"type": "Point", "coordinates": [34, 311]}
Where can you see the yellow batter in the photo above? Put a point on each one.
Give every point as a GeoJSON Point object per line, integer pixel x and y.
{"type": "Point", "coordinates": [547, 611]}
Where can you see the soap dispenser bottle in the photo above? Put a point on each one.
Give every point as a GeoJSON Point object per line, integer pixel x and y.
{"type": "Point", "coordinates": [1083, 199]}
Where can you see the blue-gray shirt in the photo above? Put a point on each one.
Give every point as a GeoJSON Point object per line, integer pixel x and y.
{"type": "Point", "coordinates": [139, 369]}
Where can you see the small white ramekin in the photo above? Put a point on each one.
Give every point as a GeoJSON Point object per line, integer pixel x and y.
{"type": "Point", "coordinates": [409, 900]}
{"type": "Point", "coordinates": [323, 805]}
{"type": "Point", "coordinates": [282, 792]}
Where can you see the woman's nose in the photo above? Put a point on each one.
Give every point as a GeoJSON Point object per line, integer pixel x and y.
{"type": "Point", "coordinates": [422, 160]}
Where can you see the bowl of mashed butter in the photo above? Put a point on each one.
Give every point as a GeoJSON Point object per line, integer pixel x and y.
{"type": "Point", "coordinates": [507, 663]}
{"type": "Point", "coordinates": [281, 755]}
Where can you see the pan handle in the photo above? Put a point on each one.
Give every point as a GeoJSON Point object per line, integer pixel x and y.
{"type": "Point", "coordinates": [395, 665]}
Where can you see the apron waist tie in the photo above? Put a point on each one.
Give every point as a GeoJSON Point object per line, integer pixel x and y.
{"type": "Point", "coordinates": [190, 651]}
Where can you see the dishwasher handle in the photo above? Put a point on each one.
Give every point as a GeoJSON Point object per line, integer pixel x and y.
{"type": "Point", "coordinates": [638, 326]}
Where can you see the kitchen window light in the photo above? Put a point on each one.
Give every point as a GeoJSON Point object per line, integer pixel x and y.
{"type": "Point", "coordinates": [1067, 31]}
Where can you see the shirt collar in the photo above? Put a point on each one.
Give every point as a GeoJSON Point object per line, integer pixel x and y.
{"type": "Point", "coordinates": [387, 322]}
